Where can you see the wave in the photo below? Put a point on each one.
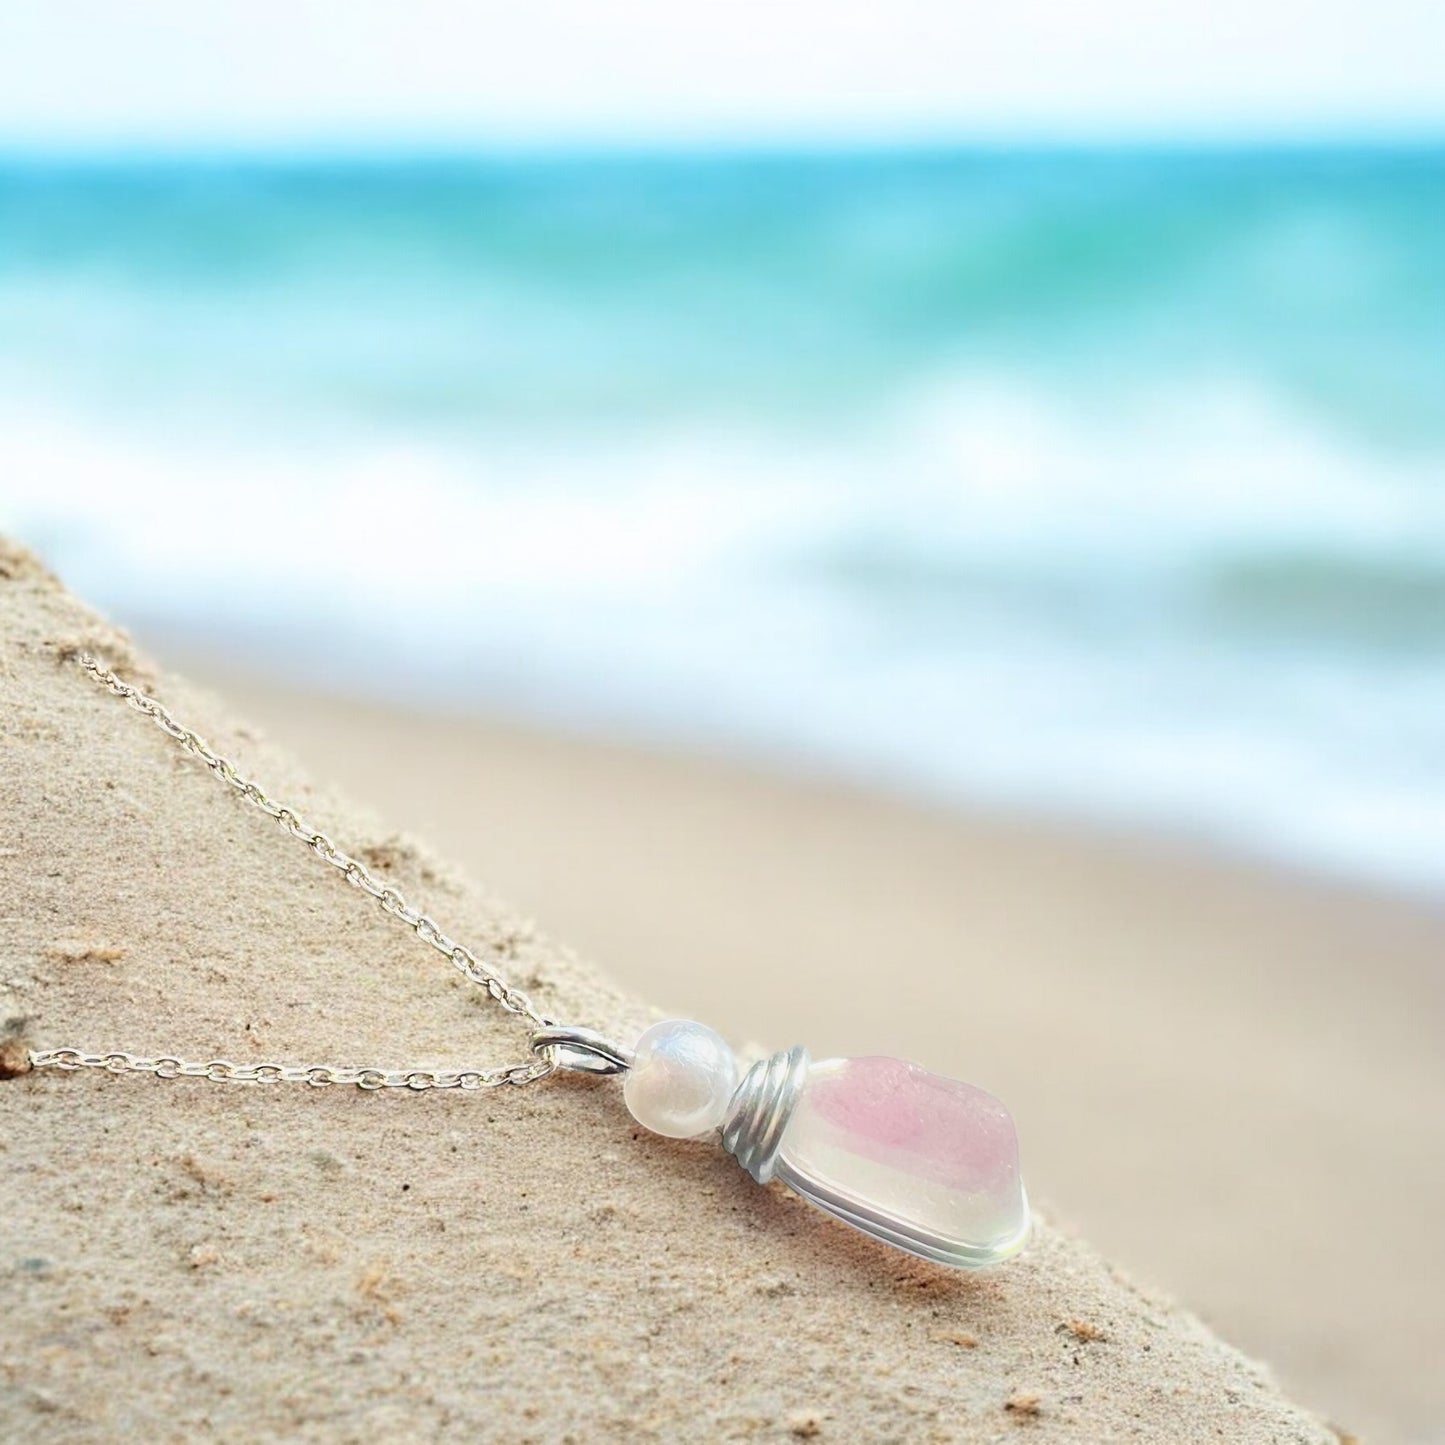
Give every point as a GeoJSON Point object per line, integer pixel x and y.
{"type": "Point", "coordinates": [475, 296]}
{"type": "Point", "coordinates": [1202, 609]}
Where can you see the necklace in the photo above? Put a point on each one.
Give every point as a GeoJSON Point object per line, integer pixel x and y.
{"type": "Point", "coordinates": [919, 1161]}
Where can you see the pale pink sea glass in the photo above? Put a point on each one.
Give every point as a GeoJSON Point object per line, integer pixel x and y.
{"type": "Point", "coordinates": [927, 1163]}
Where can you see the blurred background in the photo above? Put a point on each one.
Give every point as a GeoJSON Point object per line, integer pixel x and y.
{"type": "Point", "coordinates": [1039, 416]}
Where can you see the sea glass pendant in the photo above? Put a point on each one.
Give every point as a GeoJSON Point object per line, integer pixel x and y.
{"type": "Point", "coordinates": [917, 1160]}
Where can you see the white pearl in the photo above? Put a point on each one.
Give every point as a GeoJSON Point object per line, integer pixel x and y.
{"type": "Point", "coordinates": [682, 1079]}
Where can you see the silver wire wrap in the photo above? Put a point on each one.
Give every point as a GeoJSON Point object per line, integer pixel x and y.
{"type": "Point", "coordinates": [760, 1109]}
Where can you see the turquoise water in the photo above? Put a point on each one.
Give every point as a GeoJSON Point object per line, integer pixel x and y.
{"type": "Point", "coordinates": [1106, 482]}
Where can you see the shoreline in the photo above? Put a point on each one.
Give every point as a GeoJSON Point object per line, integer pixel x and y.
{"type": "Point", "coordinates": [1152, 1008]}
{"type": "Point", "coordinates": [795, 764]}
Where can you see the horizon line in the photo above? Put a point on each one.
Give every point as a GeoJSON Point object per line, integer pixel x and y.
{"type": "Point", "coordinates": [381, 146]}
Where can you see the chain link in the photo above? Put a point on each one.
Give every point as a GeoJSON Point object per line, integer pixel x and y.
{"type": "Point", "coordinates": [514, 1000]}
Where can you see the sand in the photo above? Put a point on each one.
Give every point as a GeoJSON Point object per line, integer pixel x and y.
{"type": "Point", "coordinates": [190, 1259]}
{"type": "Point", "coordinates": [1228, 1076]}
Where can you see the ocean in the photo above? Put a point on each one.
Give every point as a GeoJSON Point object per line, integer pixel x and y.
{"type": "Point", "coordinates": [1104, 484]}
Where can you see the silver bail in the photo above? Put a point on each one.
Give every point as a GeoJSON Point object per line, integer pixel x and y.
{"type": "Point", "coordinates": [583, 1051]}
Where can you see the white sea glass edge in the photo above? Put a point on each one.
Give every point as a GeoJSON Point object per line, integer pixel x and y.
{"type": "Point", "coordinates": [915, 1240]}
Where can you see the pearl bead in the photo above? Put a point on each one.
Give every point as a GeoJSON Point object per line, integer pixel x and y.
{"type": "Point", "coordinates": [682, 1079]}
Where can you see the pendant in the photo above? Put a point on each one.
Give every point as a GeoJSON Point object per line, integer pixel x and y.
{"type": "Point", "coordinates": [925, 1163]}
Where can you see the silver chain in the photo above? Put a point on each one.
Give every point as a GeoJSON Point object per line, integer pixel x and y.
{"type": "Point", "coordinates": [544, 1058]}
{"type": "Point", "coordinates": [317, 1075]}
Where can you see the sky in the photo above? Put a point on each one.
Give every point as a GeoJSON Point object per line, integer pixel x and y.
{"type": "Point", "coordinates": [187, 73]}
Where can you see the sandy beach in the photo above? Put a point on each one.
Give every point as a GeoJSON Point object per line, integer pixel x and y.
{"type": "Point", "coordinates": [240, 1262]}
{"type": "Point", "coordinates": [1228, 1076]}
